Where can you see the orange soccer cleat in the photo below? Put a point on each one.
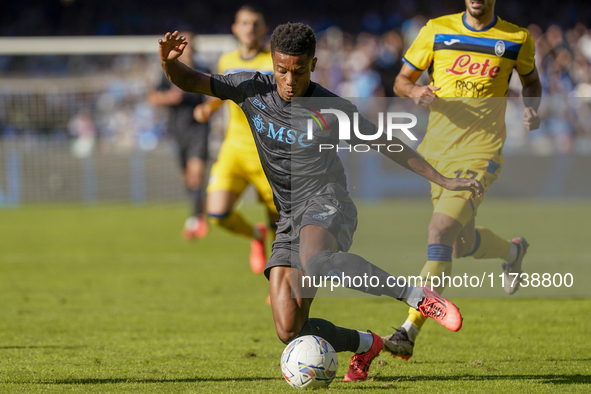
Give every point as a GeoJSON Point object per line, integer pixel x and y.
{"type": "Point", "coordinates": [440, 310]}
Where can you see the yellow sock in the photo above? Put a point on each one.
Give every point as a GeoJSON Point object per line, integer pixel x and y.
{"type": "Point", "coordinates": [491, 246]}
{"type": "Point", "coordinates": [433, 268]}
{"type": "Point", "coordinates": [234, 223]}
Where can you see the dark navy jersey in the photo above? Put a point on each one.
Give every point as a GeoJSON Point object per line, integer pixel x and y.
{"type": "Point", "coordinates": [295, 166]}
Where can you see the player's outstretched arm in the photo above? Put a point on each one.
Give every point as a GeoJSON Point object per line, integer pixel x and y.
{"type": "Point", "coordinates": [405, 86]}
{"type": "Point", "coordinates": [178, 73]}
{"type": "Point", "coordinates": [410, 159]}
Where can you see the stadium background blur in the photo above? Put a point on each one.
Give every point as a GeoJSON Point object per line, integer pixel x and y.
{"type": "Point", "coordinates": [70, 123]}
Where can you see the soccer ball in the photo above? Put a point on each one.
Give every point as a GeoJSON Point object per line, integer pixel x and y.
{"type": "Point", "coordinates": [309, 362]}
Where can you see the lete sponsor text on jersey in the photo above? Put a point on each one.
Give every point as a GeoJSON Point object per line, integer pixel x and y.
{"type": "Point", "coordinates": [464, 64]}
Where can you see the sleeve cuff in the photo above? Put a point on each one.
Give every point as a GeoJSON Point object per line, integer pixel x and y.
{"type": "Point", "coordinates": [529, 73]}
{"type": "Point", "coordinates": [412, 65]}
{"type": "Point", "coordinates": [212, 86]}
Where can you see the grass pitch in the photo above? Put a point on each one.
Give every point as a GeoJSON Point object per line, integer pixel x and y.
{"type": "Point", "coordinates": [110, 299]}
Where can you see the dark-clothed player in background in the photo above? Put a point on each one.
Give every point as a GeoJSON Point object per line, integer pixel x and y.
{"type": "Point", "coordinates": [191, 138]}
{"type": "Point", "coordinates": [305, 241]}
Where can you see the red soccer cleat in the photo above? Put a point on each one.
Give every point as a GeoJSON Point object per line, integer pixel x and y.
{"type": "Point", "coordinates": [440, 310]}
{"type": "Point", "coordinates": [258, 257]}
{"type": "Point", "coordinates": [359, 363]}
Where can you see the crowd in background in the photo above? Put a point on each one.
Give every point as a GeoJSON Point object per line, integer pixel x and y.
{"type": "Point", "coordinates": [359, 64]}
{"type": "Point", "coordinates": [133, 17]}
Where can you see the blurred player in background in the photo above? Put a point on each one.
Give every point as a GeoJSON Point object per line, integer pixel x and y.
{"type": "Point", "coordinates": [238, 163]}
{"type": "Point", "coordinates": [191, 137]}
{"type": "Point", "coordinates": [471, 54]}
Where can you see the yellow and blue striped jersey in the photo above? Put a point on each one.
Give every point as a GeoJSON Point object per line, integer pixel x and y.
{"type": "Point", "coordinates": [238, 131]}
{"type": "Point", "coordinates": [469, 63]}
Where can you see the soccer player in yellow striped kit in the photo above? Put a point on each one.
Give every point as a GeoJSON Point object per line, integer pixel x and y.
{"type": "Point", "coordinates": [470, 56]}
{"type": "Point", "coordinates": [238, 163]}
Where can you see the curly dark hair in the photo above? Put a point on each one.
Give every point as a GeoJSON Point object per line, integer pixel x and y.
{"type": "Point", "coordinates": [293, 39]}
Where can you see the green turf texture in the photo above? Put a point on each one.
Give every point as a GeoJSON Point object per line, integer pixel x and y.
{"type": "Point", "coordinates": [110, 299]}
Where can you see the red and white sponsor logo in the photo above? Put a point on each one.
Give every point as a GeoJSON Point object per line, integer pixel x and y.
{"type": "Point", "coordinates": [464, 64]}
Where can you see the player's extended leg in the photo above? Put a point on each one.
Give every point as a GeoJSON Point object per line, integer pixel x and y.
{"type": "Point", "coordinates": [228, 180]}
{"type": "Point", "coordinates": [443, 233]}
{"type": "Point", "coordinates": [484, 244]}
{"type": "Point", "coordinates": [220, 208]}
{"type": "Point", "coordinates": [291, 309]}
{"type": "Point", "coordinates": [318, 257]}
{"type": "Point", "coordinates": [193, 174]}
{"type": "Point", "coordinates": [477, 242]}
{"type": "Point", "coordinates": [291, 313]}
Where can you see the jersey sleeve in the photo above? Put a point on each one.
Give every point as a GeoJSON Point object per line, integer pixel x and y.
{"type": "Point", "coordinates": [232, 86]}
{"type": "Point", "coordinates": [420, 54]}
{"type": "Point", "coordinates": [525, 64]}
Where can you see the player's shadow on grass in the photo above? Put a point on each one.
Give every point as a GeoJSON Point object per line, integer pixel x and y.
{"type": "Point", "coordinates": [135, 380]}
{"type": "Point", "coordinates": [545, 378]}
{"type": "Point", "coordinates": [542, 378]}
{"type": "Point", "coordinates": [40, 347]}
{"type": "Point", "coordinates": [499, 361]}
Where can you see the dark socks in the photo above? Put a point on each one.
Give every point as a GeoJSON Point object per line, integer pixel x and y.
{"type": "Point", "coordinates": [341, 339]}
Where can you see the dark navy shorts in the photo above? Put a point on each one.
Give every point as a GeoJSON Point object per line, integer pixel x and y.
{"type": "Point", "coordinates": [331, 208]}
{"type": "Point", "coordinates": [192, 142]}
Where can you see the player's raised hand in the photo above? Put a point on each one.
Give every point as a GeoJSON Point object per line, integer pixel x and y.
{"type": "Point", "coordinates": [531, 120]}
{"type": "Point", "coordinates": [456, 184]}
{"type": "Point", "coordinates": [172, 47]}
{"type": "Point", "coordinates": [423, 96]}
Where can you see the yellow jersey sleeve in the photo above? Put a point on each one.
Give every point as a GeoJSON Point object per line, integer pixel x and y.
{"type": "Point", "coordinates": [420, 54]}
{"type": "Point", "coordinates": [525, 64]}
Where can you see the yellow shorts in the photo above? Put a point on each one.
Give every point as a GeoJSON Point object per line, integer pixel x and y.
{"type": "Point", "coordinates": [234, 171]}
{"type": "Point", "coordinates": [458, 205]}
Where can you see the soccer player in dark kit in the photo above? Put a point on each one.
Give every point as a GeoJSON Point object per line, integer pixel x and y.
{"type": "Point", "coordinates": [317, 216]}
{"type": "Point", "coordinates": [192, 139]}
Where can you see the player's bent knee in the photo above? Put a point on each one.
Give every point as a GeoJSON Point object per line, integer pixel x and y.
{"type": "Point", "coordinates": [286, 336]}
{"type": "Point", "coordinates": [288, 331]}
{"type": "Point", "coordinates": [462, 250]}
{"type": "Point", "coordinates": [314, 265]}
{"type": "Point", "coordinates": [194, 182]}
{"type": "Point", "coordinates": [436, 234]}
{"type": "Point", "coordinates": [218, 218]}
